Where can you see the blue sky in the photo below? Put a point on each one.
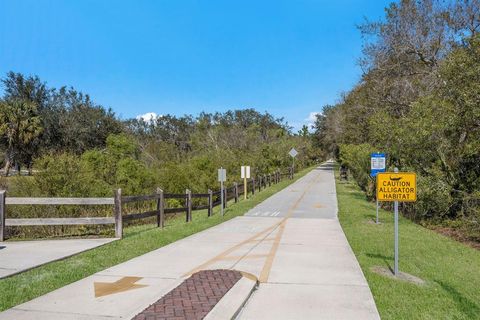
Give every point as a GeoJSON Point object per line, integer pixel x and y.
{"type": "Point", "coordinates": [286, 57]}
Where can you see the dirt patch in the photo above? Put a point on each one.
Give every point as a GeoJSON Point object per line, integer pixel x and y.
{"type": "Point", "coordinates": [387, 272]}
{"type": "Point", "coordinates": [456, 235]}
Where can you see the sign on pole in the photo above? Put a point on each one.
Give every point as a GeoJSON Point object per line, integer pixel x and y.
{"type": "Point", "coordinates": [397, 187]}
{"type": "Point", "coordinates": [222, 177]}
{"type": "Point", "coordinates": [401, 186]}
{"type": "Point", "coordinates": [293, 153]}
{"type": "Point", "coordinates": [245, 173]}
{"type": "Point", "coordinates": [377, 163]}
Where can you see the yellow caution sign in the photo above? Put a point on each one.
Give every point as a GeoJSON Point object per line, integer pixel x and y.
{"type": "Point", "coordinates": [400, 186]}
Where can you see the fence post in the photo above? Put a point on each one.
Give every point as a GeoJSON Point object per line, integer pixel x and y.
{"type": "Point", "coordinates": [188, 197]}
{"type": "Point", "coordinates": [235, 187]}
{"type": "Point", "coordinates": [253, 186]}
{"type": "Point", "coordinates": [160, 208]}
{"type": "Point", "coordinates": [2, 215]}
{"type": "Point", "coordinates": [210, 202]}
{"type": "Point", "coordinates": [118, 213]}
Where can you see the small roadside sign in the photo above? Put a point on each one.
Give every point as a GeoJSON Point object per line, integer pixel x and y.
{"type": "Point", "coordinates": [245, 172]}
{"type": "Point", "coordinates": [222, 175]}
{"type": "Point", "coordinates": [397, 186]}
{"type": "Point", "coordinates": [377, 163]}
{"type": "Point", "coordinates": [293, 153]}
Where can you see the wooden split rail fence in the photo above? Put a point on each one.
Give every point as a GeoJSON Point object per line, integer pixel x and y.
{"type": "Point", "coordinates": [118, 202]}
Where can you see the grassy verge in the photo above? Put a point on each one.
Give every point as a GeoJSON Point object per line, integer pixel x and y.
{"type": "Point", "coordinates": [137, 241]}
{"type": "Point", "coordinates": [450, 269]}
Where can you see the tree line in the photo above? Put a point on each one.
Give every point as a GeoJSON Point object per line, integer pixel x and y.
{"type": "Point", "coordinates": [80, 148]}
{"type": "Point", "coordinates": [418, 100]}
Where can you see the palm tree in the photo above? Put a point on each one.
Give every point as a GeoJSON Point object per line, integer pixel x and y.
{"type": "Point", "coordinates": [19, 126]}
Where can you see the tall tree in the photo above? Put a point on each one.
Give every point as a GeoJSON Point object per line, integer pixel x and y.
{"type": "Point", "coordinates": [19, 126]}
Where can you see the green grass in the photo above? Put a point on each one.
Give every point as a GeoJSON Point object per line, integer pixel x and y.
{"type": "Point", "coordinates": [137, 241]}
{"type": "Point", "coordinates": [451, 269]}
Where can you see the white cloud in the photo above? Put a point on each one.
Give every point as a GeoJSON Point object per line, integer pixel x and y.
{"type": "Point", "coordinates": [148, 117]}
{"type": "Point", "coordinates": [312, 117]}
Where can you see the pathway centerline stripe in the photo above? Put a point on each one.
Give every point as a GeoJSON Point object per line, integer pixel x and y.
{"type": "Point", "coordinates": [268, 263]}
{"type": "Point", "coordinates": [273, 250]}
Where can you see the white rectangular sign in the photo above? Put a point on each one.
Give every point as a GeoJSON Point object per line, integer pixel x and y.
{"type": "Point", "coordinates": [378, 163]}
{"type": "Point", "coordinates": [245, 172]}
{"type": "Point", "coordinates": [222, 175]}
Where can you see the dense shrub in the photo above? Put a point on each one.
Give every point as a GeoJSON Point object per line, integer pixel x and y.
{"type": "Point", "coordinates": [357, 159]}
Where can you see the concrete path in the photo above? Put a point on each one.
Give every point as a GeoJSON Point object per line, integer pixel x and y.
{"type": "Point", "coordinates": [315, 274]}
{"type": "Point", "coordinates": [19, 256]}
{"type": "Point", "coordinates": [292, 243]}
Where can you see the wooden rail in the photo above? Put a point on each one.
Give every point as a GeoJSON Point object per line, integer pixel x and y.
{"type": "Point", "coordinates": [118, 201]}
{"type": "Point", "coordinates": [59, 201]}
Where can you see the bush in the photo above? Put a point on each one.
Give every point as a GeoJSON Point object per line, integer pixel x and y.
{"type": "Point", "coordinates": [433, 198]}
{"type": "Point", "coordinates": [357, 160]}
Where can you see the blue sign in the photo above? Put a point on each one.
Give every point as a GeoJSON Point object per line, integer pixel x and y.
{"type": "Point", "coordinates": [377, 163]}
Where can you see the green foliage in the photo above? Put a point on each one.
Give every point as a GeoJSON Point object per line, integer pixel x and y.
{"type": "Point", "coordinates": [418, 101]}
{"type": "Point", "coordinates": [95, 174]}
{"type": "Point", "coordinates": [62, 120]}
{"type": "Point", "coordinates": [19, 126]}
{"type": "Point", "coordinates": [433, 198]}
{"type": "Point", "coordinates": [357, 159]}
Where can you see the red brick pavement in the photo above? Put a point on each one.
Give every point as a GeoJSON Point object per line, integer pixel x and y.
{"type": "Point", "coordinates": [193, 298]}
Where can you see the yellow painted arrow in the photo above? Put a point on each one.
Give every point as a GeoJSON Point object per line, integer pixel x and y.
{"type": "Point", "coordinates": [121, 285]}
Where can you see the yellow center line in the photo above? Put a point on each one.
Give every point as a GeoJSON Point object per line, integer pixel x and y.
{"type": "Point", "coordinates": [230, 250]}
{"type": "Point", "coordinates": [265, 233]}
{"type": "Point", "coordinates": [273, 251]}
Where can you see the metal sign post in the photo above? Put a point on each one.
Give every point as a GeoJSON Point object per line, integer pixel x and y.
{"type": "Point", "coordinates": [245, 174]}
{"type": "Point", "coordinates": [377, 164]}
{"type": "Point", "coordinates": [293, 153]}
{"type": "Point", "coordinates": [395, 208]}
{"type": "Point", "coordinates": [222, 177]}
{"type": "Point", "coordinates": [396, 186]}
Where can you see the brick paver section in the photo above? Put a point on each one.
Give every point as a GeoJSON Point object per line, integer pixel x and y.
{"type": "Point", "coordinates": [193, 298]}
